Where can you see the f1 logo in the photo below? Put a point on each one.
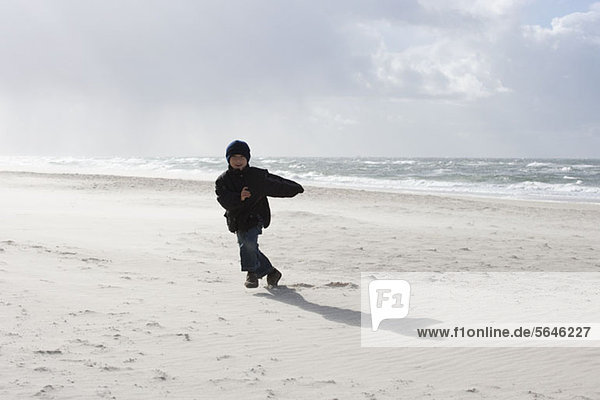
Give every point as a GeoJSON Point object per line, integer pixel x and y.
{"type": "Point", "coordinates": [389, 299]}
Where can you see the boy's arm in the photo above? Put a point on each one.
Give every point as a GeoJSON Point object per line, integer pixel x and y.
{"type": "Point", "coordinates": [276, 186]}
{"type": "Point", "coordinates": [228, 199]}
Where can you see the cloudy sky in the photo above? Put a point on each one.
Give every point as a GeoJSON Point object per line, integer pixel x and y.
{"type": "Point", "coordinates": [479, 78]}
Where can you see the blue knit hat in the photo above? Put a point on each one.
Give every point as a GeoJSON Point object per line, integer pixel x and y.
{"type": "Point", "coordinates": [237, 147]}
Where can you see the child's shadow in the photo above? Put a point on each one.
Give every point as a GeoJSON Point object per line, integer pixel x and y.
{"type": "Point", "coordinates": [405, 326]}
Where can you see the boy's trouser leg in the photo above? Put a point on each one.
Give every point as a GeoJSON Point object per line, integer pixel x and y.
{"type": "Point", "coordinates": [252, 259]}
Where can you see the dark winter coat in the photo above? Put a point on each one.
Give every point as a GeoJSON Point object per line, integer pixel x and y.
{"type": "Point", "coordinates": [243, 215]}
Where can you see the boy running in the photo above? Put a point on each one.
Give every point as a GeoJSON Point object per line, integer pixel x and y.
{"type": "Point", "coordinates": [242, 190]}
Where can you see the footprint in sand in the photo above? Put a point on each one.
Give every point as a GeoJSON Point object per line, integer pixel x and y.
{"type": "Point", "coordinates": [46, 389]}
{"type": "Point", "coordinates": [161, 375]}
{"type": "Point", "coordinates": [342, 285]}
{"type": "Point", "coordinates": [258, 370]}
{"type": "Point", "coordinates": [48, 352]}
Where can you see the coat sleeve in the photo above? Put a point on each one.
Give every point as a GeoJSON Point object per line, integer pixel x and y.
{"type": "Point", "coordinates": [276, 186]}
{"type": "Point", "coordinates": [228, 199]}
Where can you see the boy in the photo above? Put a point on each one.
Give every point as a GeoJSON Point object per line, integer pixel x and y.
{"type": "Point", "coordinates": [242, 190]}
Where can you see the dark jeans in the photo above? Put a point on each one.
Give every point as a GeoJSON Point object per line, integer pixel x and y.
{"type": "Point", "coordinates": [253, 260]}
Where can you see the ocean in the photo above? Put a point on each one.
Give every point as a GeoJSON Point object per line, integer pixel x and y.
{"type": "Point", "coordinates": [540, 179]}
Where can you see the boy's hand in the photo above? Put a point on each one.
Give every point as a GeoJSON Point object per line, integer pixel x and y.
{"type": "Point", "coordinates": [245, 193]}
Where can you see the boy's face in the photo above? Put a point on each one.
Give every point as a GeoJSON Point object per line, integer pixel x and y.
{"type": "Point", "coordinates": [238, 161]}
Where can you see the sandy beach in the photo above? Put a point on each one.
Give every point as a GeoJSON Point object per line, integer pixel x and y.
{"type": "Point", "coordinates": [130, 288]}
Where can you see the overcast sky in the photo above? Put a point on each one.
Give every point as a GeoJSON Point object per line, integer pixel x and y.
{"type": "Point", "coordinates": [484, 78]}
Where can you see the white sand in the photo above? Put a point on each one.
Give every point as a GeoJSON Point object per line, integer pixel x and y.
{"type": "Point", "coordinates": [130, 288]}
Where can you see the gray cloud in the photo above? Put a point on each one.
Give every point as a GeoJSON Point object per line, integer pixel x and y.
{"type": "Point", "coordinates": [300, 78]}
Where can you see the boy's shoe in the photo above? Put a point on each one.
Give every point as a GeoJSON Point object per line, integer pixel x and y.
{"type": "Point", "coordinates": [251, 280]}
{"type": "Point", "coordinates": [273, 277]}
